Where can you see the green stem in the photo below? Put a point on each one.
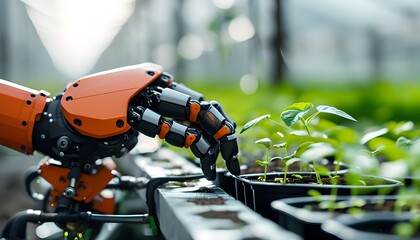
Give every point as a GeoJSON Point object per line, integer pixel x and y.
{"type": "Point", "coordinates": [318, 177]}
{"type": "Point", "coordinates": [306, 126]}
{"type": "Point", "coordinates": [266, 165]}
{"type": "Point", "coordinates": [309, 119]}
{"type": "Point", "coordinates": [338, 158]}
{"type": "Point", "coordinates": [278, 123]}
{"type": "Point", "coordinates": [286, 168]}
{"type": "Point", "coordinates": [337, 166]}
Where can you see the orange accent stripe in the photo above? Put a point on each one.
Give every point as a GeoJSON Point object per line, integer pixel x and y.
{"type": "Point", "coordinates": [164, 129]}
{"type": "Point", "coordinates": [223, 131]}
{"type": "Point", "coordinates": [189, 140]}
{"type": "Point", "coordinates": [194, 111]}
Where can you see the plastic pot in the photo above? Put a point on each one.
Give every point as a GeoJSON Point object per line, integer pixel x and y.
{"type": "Point", "coordinates": [261, 194]}
{"type": "Point", "coordinates": [371, 226]}
{"type": "Point", "coordinates": [294, 214]}
{"type": "Point", "coordinates": [243, 192]}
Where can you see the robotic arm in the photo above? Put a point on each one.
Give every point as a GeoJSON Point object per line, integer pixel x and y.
{"type": "Point", "coordinates": [100, 115]}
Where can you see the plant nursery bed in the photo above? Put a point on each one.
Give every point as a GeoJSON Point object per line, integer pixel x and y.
{"type": "Point", "coordinates": [304, 215]}
{"type": "Point", "coordinates": [259, 195]}
{"type": "Point", "coordinates": [185, 214]}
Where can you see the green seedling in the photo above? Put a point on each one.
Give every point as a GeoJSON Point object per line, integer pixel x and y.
{"type": "Point", "coordinates": [267, 143]}
{"type": "Point", "coordinates": [315, 152]}
{"type": "Point", "coordinates": [353, 206]}
{"type": "Point", "coordinates": [288, 160]}
{"type": "Point", "coordinates": [297, 112]}
{"type": "Point", "coordinates": [291, 159]}
{"type": "Point", "coordinates": [290, 116]}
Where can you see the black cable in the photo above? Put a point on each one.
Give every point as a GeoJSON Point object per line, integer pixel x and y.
{"type": "Point", "coordinates": [30, 176]}
{"type": "Point", "coordinates": [16, 227]}
{"type": "Point", "coordinates": [132, 218]}
{"type": "Point", "coordinates": [154, 183]}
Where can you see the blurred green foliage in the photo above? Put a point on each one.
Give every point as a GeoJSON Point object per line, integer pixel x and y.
{"type": "Point", "coordinates": [371, 104]}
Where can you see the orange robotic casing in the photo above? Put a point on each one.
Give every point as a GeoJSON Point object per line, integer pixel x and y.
{"type": "Point", "coordinates": [97, 105]}
{"type": "Point", "coordinates": [20, 108]}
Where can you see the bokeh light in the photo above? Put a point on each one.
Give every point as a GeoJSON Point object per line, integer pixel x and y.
{"type": "Point", "coordinates": [165, 55]}
{"type": "Point", "coordinates": [191, 47]}
{"type": "Point", "coordinates": [249, 84]}
{"type": "Point", "coordinates": [223, 4]}
{"type": "Point", "coordinates": [241, 29]}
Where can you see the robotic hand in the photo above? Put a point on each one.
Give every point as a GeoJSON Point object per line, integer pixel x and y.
{"type": "Point", "coordinates": [100, 115]}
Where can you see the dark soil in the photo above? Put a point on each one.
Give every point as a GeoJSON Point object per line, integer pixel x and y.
{"type": "Point", "coordinates": [308, 179]}
{"type": "Point", "coordinates": [386, 206]}
{"type": "Point", "coordinates": [208, 201]}
{"type": "Point", "coordinates": [311, 179]}
{"type": "Point", "coordinates": [204, 190]}
{"type": "Point", "coordinates": [232, 215]}
{"type": "Point", "coordinates": [278, 166]}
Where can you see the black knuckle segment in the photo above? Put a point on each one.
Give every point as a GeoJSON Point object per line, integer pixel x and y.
{"type": "Point", "coordinates": [211, 120]}
{"type": "Point", "coordinates": [184, 89]}
{"type": "Point", "coordinates": [173, 104]}
{"type": "Point", "coordinates": [149, 124]}
{"type": "Point", "coordinates": [176, 135]}
{"type": "Point", "coordinates": [200, 147]}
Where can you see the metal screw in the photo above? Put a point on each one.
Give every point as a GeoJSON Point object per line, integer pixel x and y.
{"type": "Point", "coordinates": [87, 167]}
{"type": "Point", "coordinates": [120, 123]}
{"type": "Point", "coordinates": [78, 122]}
{"type": "Point", "coordinates": [63, 143]}
{"type": "Point", "coordinates": [69, 192]}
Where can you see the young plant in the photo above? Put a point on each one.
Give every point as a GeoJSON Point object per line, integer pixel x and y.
{"type": "Point", "coordinates": [288, 160]}
{"type": "Point", "coordinates": [267, 143]}
{"type": "Point", "coordinates": [292, 114]}
{"type": "Point", "coordinates": [316, 152]}
{"type": "Point", "coordinates": [297, 112]}
{"type": "Point", "coordinates": [353, 206]}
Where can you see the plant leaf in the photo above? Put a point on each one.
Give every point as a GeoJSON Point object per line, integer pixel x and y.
{"type": "Point", "coordinates": [335, 111]}
{"type": "Point", "coordinates": [297, 176]}
{"type": "Point", "coordinates": [318, 151]}
{"type": "Point", "coordinates": [334, 179]}
{"type": "Point", "coordinates": [302, 148]}
{"type": "Point", "coordinates": [264, 141]}
{"type": "Point", "coordinates": [276, 158]}
{"type": "Point", "coordinates": [371, 135]}
{"type": "Point", "coordinates": [292, 113]}
{"type": "Point", "coordinates": [387, 148]}
{"type": "Point", "coordinates": [293, 160]}
{"type": "Point", "coordinates": [261, 163]}
{"type": "Point", "coordinates": [253, 122]}
{"type": "Point", "coordinates": [404, 143]}
{"type": "Point", "coordinates": [279, 180]}
{"type": "Point", "coordinates": [280, 145]}
{"type": "Point", "coordinates": [315, 194]}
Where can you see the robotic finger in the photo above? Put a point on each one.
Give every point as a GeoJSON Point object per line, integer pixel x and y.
{"type": "Point", "coordinates": [210, 131]}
